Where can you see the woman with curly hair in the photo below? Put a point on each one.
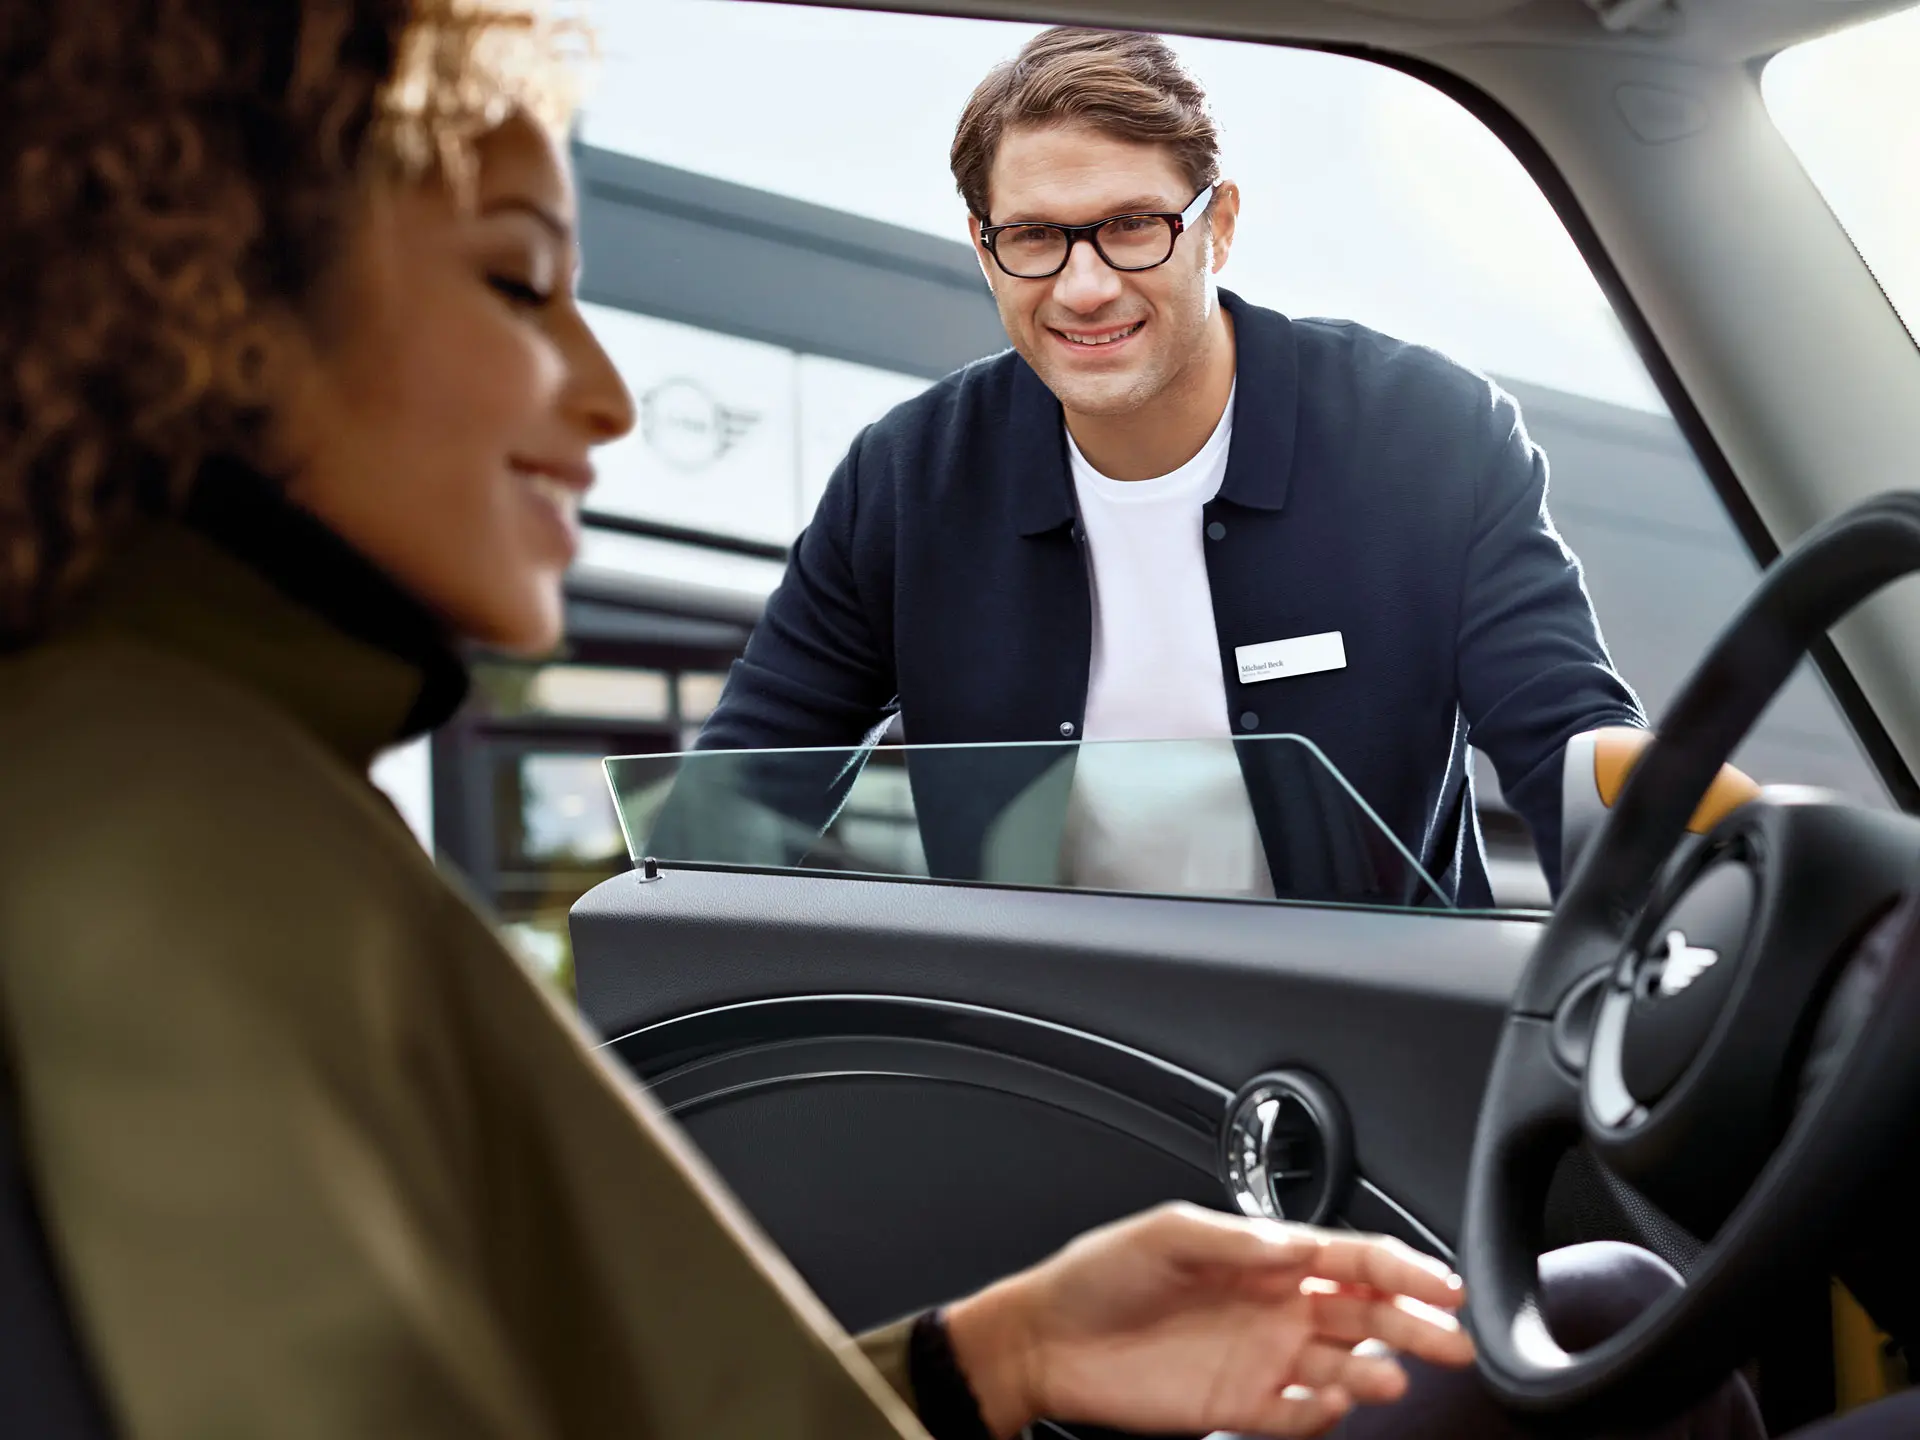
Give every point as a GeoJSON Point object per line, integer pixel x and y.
{"type": "Point", "coordinates": [295, 397]}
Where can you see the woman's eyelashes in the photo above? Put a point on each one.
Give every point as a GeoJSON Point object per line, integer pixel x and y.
{"type": "Point", "coordinates": [521, 292]}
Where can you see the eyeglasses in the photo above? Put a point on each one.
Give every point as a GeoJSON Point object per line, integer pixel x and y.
{"type": "Point", "coordinates": [1030, 251]}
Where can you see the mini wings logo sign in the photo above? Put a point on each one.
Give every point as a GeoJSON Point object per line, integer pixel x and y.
{"type": "Point", "coordinates": [1684, 963]}
{"type": "Point", "coordinates": [687, 427]}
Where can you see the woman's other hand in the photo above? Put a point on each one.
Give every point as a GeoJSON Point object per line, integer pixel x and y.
{"type": "Point", "coordinates": [1182, 1319]}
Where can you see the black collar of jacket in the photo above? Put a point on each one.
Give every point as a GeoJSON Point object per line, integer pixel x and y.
{"type": "Point", "coordinates": [260, 590]}
{"type": "Point", "coordinates": [1259, 464]}
{"type": "Point", "coordinates": [249, 517]}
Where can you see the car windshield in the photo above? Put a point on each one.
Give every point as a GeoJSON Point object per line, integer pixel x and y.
{"type": "Point", "coordinates": [1848, 106]}
{"type": "Point", "coordinates": [1266, 817]}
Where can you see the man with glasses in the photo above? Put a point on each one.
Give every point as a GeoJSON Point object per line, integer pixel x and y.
{"type": "Point", "coordinates": [1169, 513]}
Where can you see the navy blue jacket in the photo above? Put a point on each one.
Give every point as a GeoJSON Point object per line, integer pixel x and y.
{"type": "Point", "coordinates": [1373, 487]}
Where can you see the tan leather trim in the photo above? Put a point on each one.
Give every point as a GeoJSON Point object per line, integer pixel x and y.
{"type": "Point", "coordinates": [1617, 749]}
{"type": "Point", "coordinates": [1864, 1367]}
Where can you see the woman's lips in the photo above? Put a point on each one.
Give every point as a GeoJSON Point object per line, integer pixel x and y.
{"type": "Point", "coordinates": [555, 492]}
{"type": "Point", "coordinates": [575, 475]}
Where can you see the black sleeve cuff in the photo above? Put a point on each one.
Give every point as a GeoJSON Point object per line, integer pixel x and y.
{"type": "Point", "coordinates": [945, 1401]}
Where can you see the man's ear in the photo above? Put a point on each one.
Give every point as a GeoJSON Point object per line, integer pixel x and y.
{"type": "Point", "coordinates": [980, 254]}
{"type": "Point", "coordinates": [1223, 216]}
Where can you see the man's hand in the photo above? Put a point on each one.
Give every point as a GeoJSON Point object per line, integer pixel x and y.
{"type": "Point", "coordinates": [1187, 1320]}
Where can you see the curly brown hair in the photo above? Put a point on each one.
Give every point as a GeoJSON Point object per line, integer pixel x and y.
{"type": "Point", "coordinates": [177, 174]}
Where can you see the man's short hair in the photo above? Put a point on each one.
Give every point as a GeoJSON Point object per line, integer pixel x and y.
{"type": "Point", "coordinates": [1125, 85]}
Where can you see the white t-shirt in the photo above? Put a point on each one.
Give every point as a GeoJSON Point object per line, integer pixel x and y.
{"type": "Point", "coordinates": [1157, 817]}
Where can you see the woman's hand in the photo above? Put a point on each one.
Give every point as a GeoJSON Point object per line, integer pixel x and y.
{"type": "Point", "coordinates": [1187, 1320]}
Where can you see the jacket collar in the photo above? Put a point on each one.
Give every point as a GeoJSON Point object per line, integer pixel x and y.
{"type": "Point", "coordinates": [263, 592]}
{"type": "Point", "coordinates": [1259, 463]}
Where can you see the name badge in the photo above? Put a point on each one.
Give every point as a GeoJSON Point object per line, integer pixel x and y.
{"type": "Point", "coordinates": [1302, 655]}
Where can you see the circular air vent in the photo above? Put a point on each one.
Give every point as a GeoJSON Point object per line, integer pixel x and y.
{"type": "Point", "coordinates": [1286, 1152]}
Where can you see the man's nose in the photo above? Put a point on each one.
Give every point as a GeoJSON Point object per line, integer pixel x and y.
{"type": "Point", "coordinates": [1087, 283]}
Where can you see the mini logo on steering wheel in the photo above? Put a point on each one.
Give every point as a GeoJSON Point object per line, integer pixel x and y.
{"type": "Point", "coordinates": [1684, 963]}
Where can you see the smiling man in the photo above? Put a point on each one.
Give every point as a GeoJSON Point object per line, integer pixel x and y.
{"type": "Point", "coordinates": [1170, 514]}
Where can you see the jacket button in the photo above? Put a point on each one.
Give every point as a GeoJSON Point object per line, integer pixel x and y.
{"type": "Point", "coordinates": [1066, 727]}
{"type": "Point", "coordinates": [1216, 531]}
{"type": "Point", "coordinates": [1249, 721]}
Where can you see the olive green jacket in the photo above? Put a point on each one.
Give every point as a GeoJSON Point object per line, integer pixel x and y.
{"type": "Point", "coordinates": [319, 1157]}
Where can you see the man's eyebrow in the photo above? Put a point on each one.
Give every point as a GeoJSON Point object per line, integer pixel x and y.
{"type": "Point", "coordinates": [1135, 205]}
{"type": "Point", "coordinates": [522, 204]}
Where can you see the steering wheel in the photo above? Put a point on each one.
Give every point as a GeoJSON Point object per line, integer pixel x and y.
{"type": "Point", "coordinates": [1725, 1024]}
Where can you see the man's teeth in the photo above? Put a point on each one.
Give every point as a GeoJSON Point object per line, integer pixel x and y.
{"type": "Point", "coordinates": [1107, 339]}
